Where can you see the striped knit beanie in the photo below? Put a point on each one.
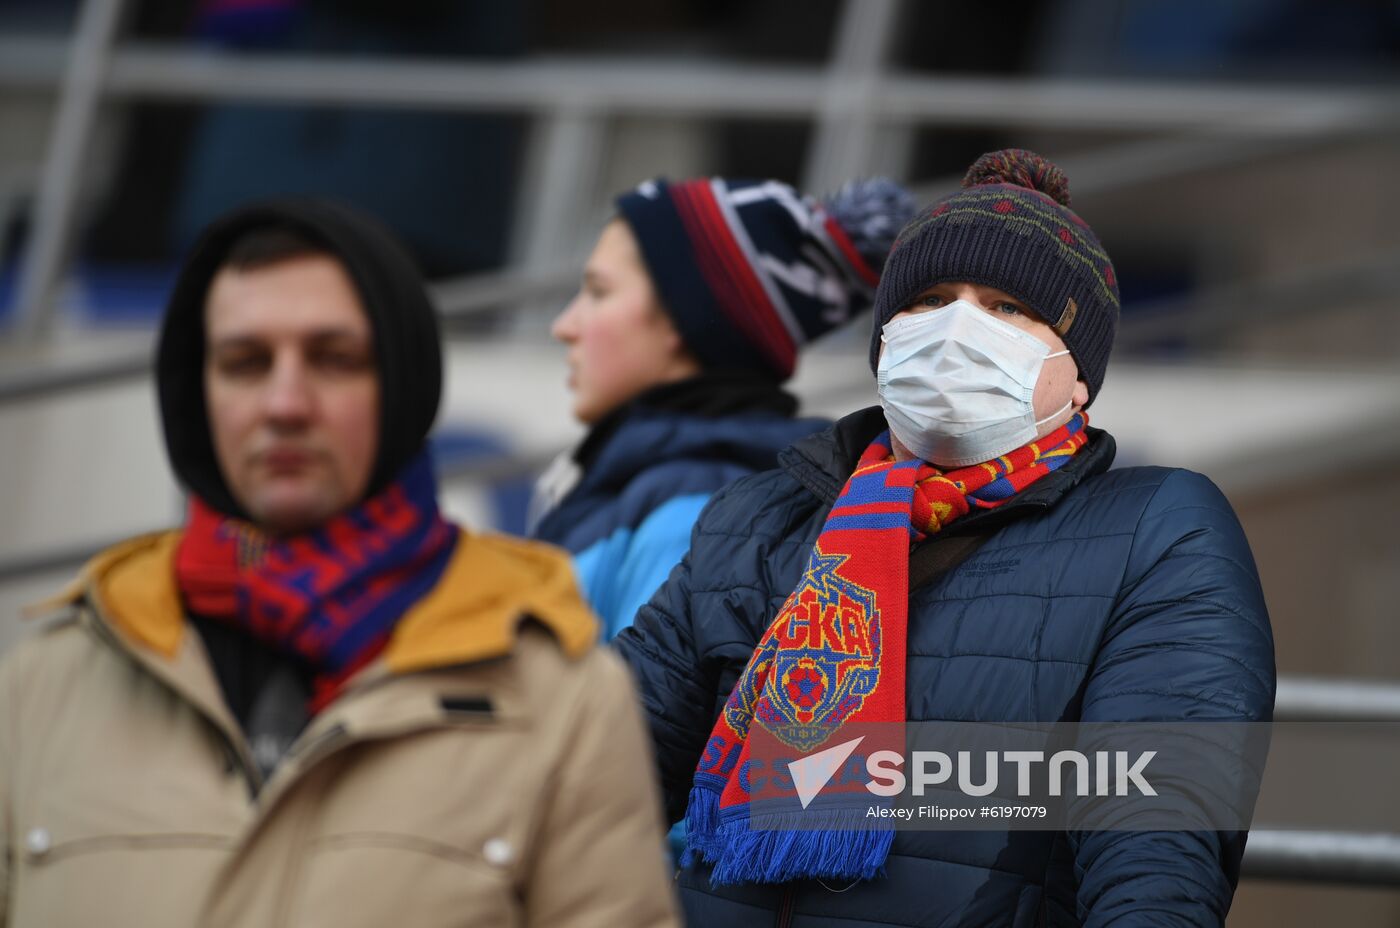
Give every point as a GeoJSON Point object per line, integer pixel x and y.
{"type": "Point", "coordinates": [750, 271]}
{"type": "Point", "coordinates": [1011, 227]}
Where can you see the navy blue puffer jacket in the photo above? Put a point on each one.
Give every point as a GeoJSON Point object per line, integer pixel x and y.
{"type": "Point", "coordinates": [1098, 595]}
{"type": "Point", "coordinates": [649, 470]}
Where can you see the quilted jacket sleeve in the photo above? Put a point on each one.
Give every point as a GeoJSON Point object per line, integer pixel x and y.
{"type": "Point", "coordinates": [677, 695]}
{"type": "Point", "coordinates": [1189, 639]}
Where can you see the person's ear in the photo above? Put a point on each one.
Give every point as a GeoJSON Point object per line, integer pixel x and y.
{"type": "Point", "coordinates": [662, 319]}
{"type": "Point", "coordinates": [680, 359]}
{"type": "Point", "coordinates": [1081, 394]}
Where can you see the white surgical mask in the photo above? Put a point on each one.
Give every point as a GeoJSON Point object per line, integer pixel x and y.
{"type": "Point", "coordinates": [958, 386]}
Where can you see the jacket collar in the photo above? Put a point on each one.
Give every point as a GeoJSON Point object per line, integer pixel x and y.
{"type": "Point", "coordinates": [823, 462]}
{"type": "Point", "coordinates": [489, 587]}
{"type": "Point", "coordinates": [708, 395]}
{"type": "Point", "coordinates": [724, 417]}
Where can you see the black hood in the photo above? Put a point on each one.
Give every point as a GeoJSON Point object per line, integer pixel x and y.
{"type": "Point", "coordinates": [407, 342]}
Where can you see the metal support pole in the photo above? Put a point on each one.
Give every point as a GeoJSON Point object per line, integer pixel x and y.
{"type": "Point", "coordinates": [566, 155]}
{"type": "Point", "coordinates": [51, 229]}
{"type": "Point", "coordinates": [846, 128]}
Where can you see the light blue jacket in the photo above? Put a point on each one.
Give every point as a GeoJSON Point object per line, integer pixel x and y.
{"type": "Point", "coordinates": [628, 519]}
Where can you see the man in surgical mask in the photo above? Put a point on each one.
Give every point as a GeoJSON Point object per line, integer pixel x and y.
{"type": "Point", "coordinates": [981, 376]}
{"type": "Point", "coordinates": [960, 552]}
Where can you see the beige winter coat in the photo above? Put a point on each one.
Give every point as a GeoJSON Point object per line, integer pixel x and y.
{"type": "Point", "coordinates": [485, 771]}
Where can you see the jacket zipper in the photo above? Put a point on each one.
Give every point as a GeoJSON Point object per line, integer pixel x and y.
{"type": "Point", "coordinates": [785, 908]}
{"type": "Point", "coordinates": [287, 892]}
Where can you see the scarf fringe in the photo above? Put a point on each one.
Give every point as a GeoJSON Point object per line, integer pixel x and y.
{"type": "Point", "coordinates": [701, 826]}
{"type": "Point", "coordinates": [849, 849]}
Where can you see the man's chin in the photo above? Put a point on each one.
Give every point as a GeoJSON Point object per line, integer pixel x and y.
{"type": "Point", "coordinates": [291, 513]}
{"type": "Point", "coordinates": [587, 411]}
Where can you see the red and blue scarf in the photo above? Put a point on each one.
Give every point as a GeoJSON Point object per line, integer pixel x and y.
{"type": "Point", "coordinates": [835, 656]}
{"type": "Point", "coordinates": [332, 596]}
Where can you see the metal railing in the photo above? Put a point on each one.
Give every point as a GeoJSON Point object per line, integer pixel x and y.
{"type": "Point", "coordinates": [1316, 856]}
{"type": "Point", "coordinates": [458, 300]}
{"type": "Point", "coordinates": [1343, 858]}
{"type": "Point", "coordinates": [718, 89]}
{"type": "Point", "coordinates": [1328, 699]}
{"type": "Point", "coordinates": [850, 99]}
{"type": "Point", "coordinates": [1202, 316]}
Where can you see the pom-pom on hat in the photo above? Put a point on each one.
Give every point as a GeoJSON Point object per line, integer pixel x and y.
{"type": "Point", "coordinates": [750, 270]}
{"type": "Point", "coordinates": [1011, 227]}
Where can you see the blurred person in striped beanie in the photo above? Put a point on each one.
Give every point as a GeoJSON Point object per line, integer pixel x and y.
{"type": "Point", "coordinates": [694, 305]}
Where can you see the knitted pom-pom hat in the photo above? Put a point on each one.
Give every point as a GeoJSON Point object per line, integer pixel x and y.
{"type": "Point", "coordinates": [750, 270]}
{"type": "Point", "coordinates": [1011, 227]}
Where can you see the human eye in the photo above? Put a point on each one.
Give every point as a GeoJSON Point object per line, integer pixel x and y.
{"type": "Point", "coordinates": [342, 359]}
{"type": "Point", "coordinates": [928, 301]}
{"type": "Point", "coordinates": [1008, 309]}
{"type": "Point", "coordinates": [591, 286]}
{"type": "Point", "coordinates": [240, 364]}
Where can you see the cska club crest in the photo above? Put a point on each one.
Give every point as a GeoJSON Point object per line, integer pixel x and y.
{"type": "Point", "coordinates": [817, 662]}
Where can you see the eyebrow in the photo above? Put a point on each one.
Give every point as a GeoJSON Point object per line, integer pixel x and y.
{"type": "Point", "coordinates": [1004, 298]}
{"type": "Point", "coordinates": [316, 336]}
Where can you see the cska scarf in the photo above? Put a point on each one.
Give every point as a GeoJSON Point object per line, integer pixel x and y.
{"type": "Point", "coordinates": [834, 656]}
{"type": "Point", "coordinates": [332, 596]}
